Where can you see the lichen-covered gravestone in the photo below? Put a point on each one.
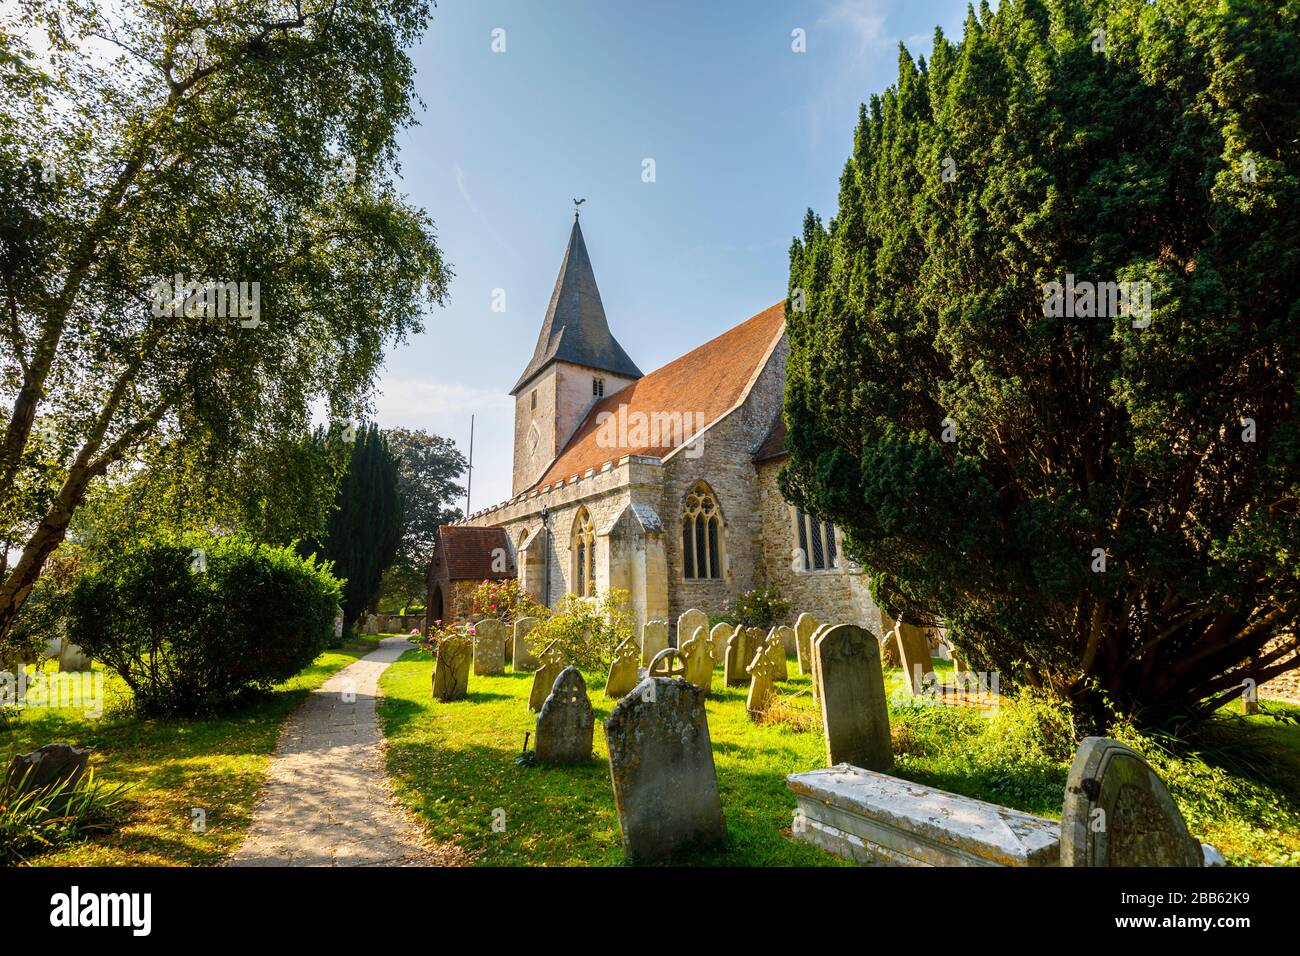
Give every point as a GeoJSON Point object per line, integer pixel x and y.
{"type": "Point", "coordinates": [451, 664]}
{"type": "Point", "coordinates": [804, 628]}
{"type": "Point", "coordinates": [565, 723]}
{"type": "Point", "coordinates": [687, 622]}
{"type": "Point", "coordinates": [552, 662]}
{"type": "Point", "coordinates": [1118, 812]}
{"type": "Point", "coordinates": [855, 714]}
{"type": "Point", "coordinates": [661, 766]}
{"type": "Point", "coordinates": [914, 651]}
{"type": "Point", "coordinates": [489, 647]}
{"type": "Point", "coordinates": [654, 638]}
{"type": "Point", "coordinates": [623, 671]}
{"type": "Point", "coordinates": [697, 654]}
{"type": "Point", "coordinates": [781, 638]}
{"type": "Point", "coordinates": [816, 678]}
{"type": "Point", "coordinates": [522, 656]}
{"type": "Point", "coordinates": [718, 639]}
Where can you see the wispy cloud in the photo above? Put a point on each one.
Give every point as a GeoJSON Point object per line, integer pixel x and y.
{"type": "Point", "coordinates": [860, 21]}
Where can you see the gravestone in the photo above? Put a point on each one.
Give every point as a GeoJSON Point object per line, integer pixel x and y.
{"type": "Point", "coordinates": [1118, 812]}
{"type": "Point", "coordinates": [763, 670]}
{"type": "Point", "coordinates": [718, 639]}
{"type": "Point", "coordinates": [663, 666]}
{"type": "Point", "coordinates": [697, 654]}
{"type": "Point", "coordinates": [565, 723]}
{"type": "Point", "coordinates": [451, 664]}
{"type": "Point", "coordinates": [489, 647]}
{"type": "Point", "coordinates": [522, 656]}
{"type": "Point", "coordinates": [551, 662]}
{"type": "Point", "coordinates": [740, 651]}
{"type": "Point", "coordinates": [816, 679]}
{"type": "Point", "coordinates": [654, 638]}
{"type": "Point", "coordinates": [623, 671]}
{"type": "Point", "coordinates": [914, 655]}
{"type": "Point", "coordinates": [687, 622]}
{"type": "Point", "coordinates": [804, 628]}
{"type": "Point", "coordinates": [783, 637]}
{"type": "Point", "coordinates": [47, 767]}
{"type": "Point", "coordinates": [72, 657]}
{"type": "Point", "coordinates": [372, 624]}
{"type": "Point", "coordinates": [661, 767]}
{"type": "Point", "coordinates": [855, 713]}
{"type": "Point", "coordinates": [889, 643]}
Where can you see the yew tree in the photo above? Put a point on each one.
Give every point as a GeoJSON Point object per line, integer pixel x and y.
{"type": "Point", "coordinates": [219, 142]}
{"type": "Point", "coordinates": [1104, 505]}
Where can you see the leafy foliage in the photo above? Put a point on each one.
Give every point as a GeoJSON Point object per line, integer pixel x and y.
{"type": "Point", "coordinates": [981, 456]}
{"type": "Point", "coordinates": [189, 639]}
{"type": "Point", "coordinates": [507, 600]}
{"type": "Point", "coordinates": [761, 607]}
{"type": "Point", "coordinates": [39, 819]}
{"type": "Point", "coordinates": [587, 630]}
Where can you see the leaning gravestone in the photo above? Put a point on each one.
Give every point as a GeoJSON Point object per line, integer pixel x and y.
{"type": "Point", "coordinates": [763, 671]}
{"type": "Point", "coordinates": [489, 647]}
{"type": "Point", "coordinates": [1118, 812]}
{"type": "Point", "coordinates": [855, 714]}
{"type": "Point", "coordinates": [718, 639]}
{"type": "Point", "coordinates": [889, 643]}
{"type": "Point", "coordinates": [804, 628]}
{"type": "Point", "coordinates": [565, 723]}
{"type": "Point", "coordinates": [72, 657]}
{"type": "Point", "coordinates": [451, 664]}
{"type": "Point", "coordinates": [697, 654]}
{"type": "Point", "coordinates": [784, 640]}
{"type": "Point", "coordinates": [661, 766]}
{"type": "Point", "coordinates": [914, 652]}
{"type": "Point", "coordinates": [623, 671]}
{"type": "Point", "coordinates": [522, 656]}
{"type": "Point", "coordinates": [654, 638]}
{"type": "Point", "coordinates": [46, 768]}
{"type": "Point", "coordinates": [687, 622]}
{"type": "Point", "coordinates": [552, 662]}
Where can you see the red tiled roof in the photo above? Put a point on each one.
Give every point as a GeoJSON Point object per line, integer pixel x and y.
{"type": "Point", "coordinates": [468, 552]}
{"type": "Point", "coordinates": [709, 380]}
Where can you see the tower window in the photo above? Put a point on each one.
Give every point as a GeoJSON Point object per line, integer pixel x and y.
{"type": "Point", "coordinates": [533, 400]}
{"type": "Point", "coordinates": [598, 387]}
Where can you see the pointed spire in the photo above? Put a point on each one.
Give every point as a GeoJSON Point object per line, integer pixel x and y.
{"type": "Point", "coordinates": [575, 329]}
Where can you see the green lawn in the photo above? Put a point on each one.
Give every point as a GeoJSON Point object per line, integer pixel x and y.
{"type": "Point", "coordinates": [453, 765]}
{"type": "Point", "coordinates": [216, 764]}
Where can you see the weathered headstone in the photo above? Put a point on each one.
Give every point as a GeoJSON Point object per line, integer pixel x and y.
{"type": "Point", "coordinates": [816, 678]}
{"type": "Point", "coordinates": [889, 656]}
{"type": "Point", "coordinates": [372, 624]}
{"type": "Point", "coordinates": [687, 622]}
{"type": "Point", "coordinates": [522, 656]}
{"type": "Point", "coordinates": [565, 722]}
{"type": "Point", "coordinates": [72, 657]}
{"type": "Point", "coordinates": [1118, 812]}
{"type": "Point", "coordinates": [804, 628]}
{"type": "Point", "coordinates": [551, 662]}
{"type": "Point", "coordinates": [697, 654]}
{"type": "Point", "coordinates": [46, 768]}
{"type": "Point", "coordinates": [914, 654]}
{"type": "Point", "coordinates": [489, 647]}
{"type": "Point", "coordinates": [855, 714]}
{"type": "Point", "coordinates": [718, 639]}
{"type": "Point", "coordinates": [661, 766]}
{"type": "Point", "coordinates": [763, 670]}
{"type": "Point", "coordinates": [783, 638]}
{"type": "Point", "coordinates": [654, 638]}
{"type": "Point", "coordinates": [451, 663]}
{"type": "Point", "coordinates": [623, 671]}
{"type": "Point", "coordinates": [667, 663]}
{"type": "Point", "coordinates": [740, 651]}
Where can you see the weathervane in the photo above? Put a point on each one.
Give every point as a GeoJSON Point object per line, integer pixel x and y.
{"type": "Point", "coordinates": [576, 204]}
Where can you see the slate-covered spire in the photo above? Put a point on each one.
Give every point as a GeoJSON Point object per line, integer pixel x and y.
{"type": "Point", "coordinates": [575, 329]}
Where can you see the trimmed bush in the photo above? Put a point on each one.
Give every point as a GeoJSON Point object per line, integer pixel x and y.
{"type": "Point", "coordinates": [194, 626]}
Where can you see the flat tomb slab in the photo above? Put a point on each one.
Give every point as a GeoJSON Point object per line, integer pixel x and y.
{"type": "Point", "coordinates": [875, 818]}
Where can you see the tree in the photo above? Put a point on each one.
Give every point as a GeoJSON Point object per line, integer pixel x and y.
{"type": "Point", "coordinates": [199, 238]}
{"type": "Point", "coordinates": [428, 467]}
{"type": "Point", "coordinates": [364, 530]}
{"type": "Point", "coordinates": [1106, 506]}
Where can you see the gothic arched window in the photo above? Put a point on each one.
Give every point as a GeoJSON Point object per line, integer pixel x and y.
{"type": "Point", "coordinates": [701, 534]}
{"type": "Point", "coordinates": [583, 547]}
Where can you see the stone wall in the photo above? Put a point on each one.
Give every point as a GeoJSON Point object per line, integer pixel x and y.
{"type": "Point", "coordinates": [1285, 686]}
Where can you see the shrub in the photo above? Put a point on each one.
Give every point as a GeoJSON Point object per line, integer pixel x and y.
{"type": "Point", "coordinates": [32, 821]}
{"type": "Point", "coordinates": [507, 600]}
{"type": "Point", "coordinates": [191, 640]}
{"type": "Point", "coordinates": [761, 607]}
{"type": "Point", "coordinates": [587, 629]}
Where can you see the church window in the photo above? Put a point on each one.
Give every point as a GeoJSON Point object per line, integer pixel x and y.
{"type": "Point", "coordinates": [701, 534]}
{"type": "Point", "coordinates": [598, 387]}
{"type": "Point", "coordinates": [583, 547]}
{"type": "Point", "coordinates": [816, 540]}
{"type": "Point", "coordinates": [533, 400]}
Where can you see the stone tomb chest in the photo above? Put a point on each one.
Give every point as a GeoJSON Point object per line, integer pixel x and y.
{"type": "Point", "coordinates": [872, 817]}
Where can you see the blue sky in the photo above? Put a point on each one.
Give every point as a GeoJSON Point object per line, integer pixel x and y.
{"type": "Point", "coordinates": [745, 135]}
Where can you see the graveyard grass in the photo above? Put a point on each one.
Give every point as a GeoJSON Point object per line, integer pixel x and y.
{"type": "Point", "coordinates": [216, 764]}
{"type": "Point", "coordinates": [453, 765]}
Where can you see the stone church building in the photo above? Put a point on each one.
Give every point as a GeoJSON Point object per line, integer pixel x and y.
{"type": "Point", "coordinates": [663, 484]}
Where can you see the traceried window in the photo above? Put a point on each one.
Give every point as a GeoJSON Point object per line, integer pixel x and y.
{"type": "Point", "coordinates": [701, 534]}
{"type": "Point", "coordinates": [816, 543]}
{"type": "Point", "coordinates": [583, 547]}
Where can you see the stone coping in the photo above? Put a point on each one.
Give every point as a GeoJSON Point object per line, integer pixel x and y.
{"type": "Point", "coordinates": [873, 817]}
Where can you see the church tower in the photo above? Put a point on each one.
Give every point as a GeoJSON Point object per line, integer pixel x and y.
{"type": "Point", "coordinates": [576, 363]}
